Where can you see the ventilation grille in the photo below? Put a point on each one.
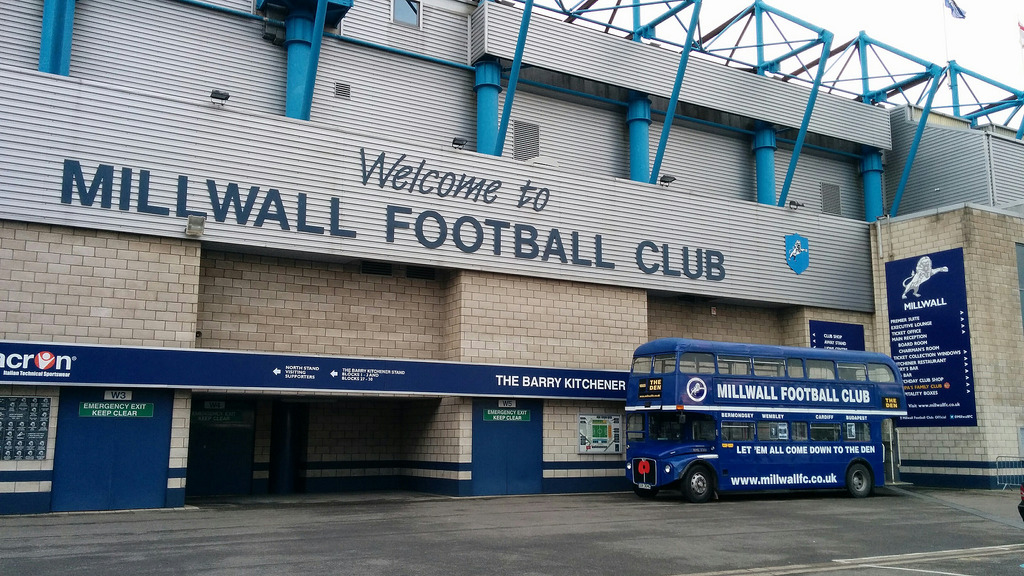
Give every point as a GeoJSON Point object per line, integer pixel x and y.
{"type": "Point", "coordinates": [375, 268]}
{"type": "Point", "coordinates": [342, 90]}
{"type": "Point", "coordinates": [420, 273]}
{"type": "Point", "coordinates": [831, 199]}
{"type": "Point", "coordinates": [525, 140]}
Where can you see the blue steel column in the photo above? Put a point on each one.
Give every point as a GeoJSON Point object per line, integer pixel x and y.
{"type": "Point", "coordinates": [488, 86]}
{"type": "Point", "coordinates": [55, 41]}
{"type": "Point", "coordinates": [871, 173]}
{"type": "Point", "coordinates": [764, 162]}
{"type": "Point", "coordinates": [638, 119]}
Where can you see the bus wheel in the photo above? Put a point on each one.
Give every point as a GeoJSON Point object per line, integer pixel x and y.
{"type": "Point", "coordinates": [697, 484]}
{"type": "Point", "coordinates": [859, 481]}
{"type": "Point", "coordinates": [645, 492]}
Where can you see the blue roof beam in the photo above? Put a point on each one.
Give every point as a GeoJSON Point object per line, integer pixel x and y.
{"type": "Point", "coordinates": [673, 102]}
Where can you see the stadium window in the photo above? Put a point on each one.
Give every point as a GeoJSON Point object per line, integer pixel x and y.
{"type": "Point", "coordinates": [737, 431]}
{"type": "Point", "coordinates": [406, 12]}
{"type": "Point", "coordinates": [697, 363]}
{"type": "Point", "coordinates": [1020, 276]}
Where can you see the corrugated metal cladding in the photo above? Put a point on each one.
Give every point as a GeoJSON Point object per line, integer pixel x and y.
{"type": "Point", "coordinates": [1007, 169]}
{"type": "Point", "coordinates": [443, 32]}
{"type": "Point", "coordinates": [591, 141]}
{"type": "Point", "coordinates": [414, 101]}
{"type": "Point", "coordinates": [21, 23]}
{"type": "Point", "coordinates": [212, 147]}
{"type": "Point", "coordinates": [813, 171]}
{"type": "Point", "coordinates": [952, 166]}
{"type": "Point", "coordinates": [605, 58]}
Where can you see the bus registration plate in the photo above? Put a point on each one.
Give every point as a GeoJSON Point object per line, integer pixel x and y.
{"type": "Point", "coordinates": [644, 486]}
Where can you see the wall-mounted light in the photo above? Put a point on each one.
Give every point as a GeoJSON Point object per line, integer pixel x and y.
{"type": "Point", "coordinates": [459, 143]}
{"type": "Point", "coordinates": [666, 179]}
{"type": "Point", "coordinates": [219, 97]}
{"type": "Point", "coordinates": [195, 226]}
{"type": "Point", "coordinates": [793, 205]}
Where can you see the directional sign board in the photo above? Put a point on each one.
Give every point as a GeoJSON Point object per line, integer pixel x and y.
{"type": "Point", "coordinates": [930, 338]}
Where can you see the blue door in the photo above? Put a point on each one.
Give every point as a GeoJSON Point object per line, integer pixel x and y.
{"type": "Point", "coordinates": [508, 447]}
{"type": "Point", "coordinates": [109, 456]}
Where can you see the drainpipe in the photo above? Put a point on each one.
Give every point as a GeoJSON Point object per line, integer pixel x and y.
{"type": "Point", "coordinates": [764, 162]}
{"type": "Point", "coordinates": [871, 174]}
{"type": "Point", "coordinates": [55, 40]}
{"type": "Point", "coordinates": [487, 86]}
{"type": "Point", "coordinates": [638, 119]}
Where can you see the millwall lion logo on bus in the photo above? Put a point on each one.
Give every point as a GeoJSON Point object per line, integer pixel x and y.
{"type": "Point", "coordinates": [798, 252]}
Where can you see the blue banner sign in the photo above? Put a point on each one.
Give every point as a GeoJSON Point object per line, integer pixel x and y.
{"type": "Point", "coordinates": [836, 335]}
{"type": "Point", "coordinates": [87, 365]}
{"type": "Point", "coordinates": [930, 338]}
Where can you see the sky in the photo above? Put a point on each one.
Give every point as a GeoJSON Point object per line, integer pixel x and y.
{"type": "Point", "coordinates": [987, 41]}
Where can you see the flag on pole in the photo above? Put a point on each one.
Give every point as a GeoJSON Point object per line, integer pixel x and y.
{"type": "Point", "coordinates": [955, 10]}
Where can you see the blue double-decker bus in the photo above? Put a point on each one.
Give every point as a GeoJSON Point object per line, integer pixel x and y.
{"type": "Point", "coordinates": [712, 417]}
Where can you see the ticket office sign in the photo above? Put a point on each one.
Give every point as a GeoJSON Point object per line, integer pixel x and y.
{"type": "Point", "coordinates": [930, 338]}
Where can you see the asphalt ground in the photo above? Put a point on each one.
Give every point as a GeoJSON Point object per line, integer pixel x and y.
{"type": "Point", "coordinates": [898, 531]}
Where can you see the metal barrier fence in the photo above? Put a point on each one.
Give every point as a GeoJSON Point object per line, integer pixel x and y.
{"type": "Point", "coordinates": [1009, 471]}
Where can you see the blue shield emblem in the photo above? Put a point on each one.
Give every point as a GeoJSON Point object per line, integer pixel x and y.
{"type": "Point", "coordinates": [798, 254]}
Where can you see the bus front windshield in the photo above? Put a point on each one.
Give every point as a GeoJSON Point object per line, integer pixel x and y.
{"type": "Point", "coordinates": [680, 427]}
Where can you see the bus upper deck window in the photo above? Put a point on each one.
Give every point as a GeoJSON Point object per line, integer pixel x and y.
{"type": "Point", "coordinates": [734, 365]}
{"type": "Point", "coordinates": [795, 366]}
{"type": "Point", "coordinates": [769, 367]}
{"type": "Point", "coordinates": [697, 363]}
{"type": "Point", "coordinates": [664, 363]}
{"type": "Point", "coordinates": [641, 365]}
{"type": "Point", "coordinates": [821, 369]}
{"type": "Point", "coordinates": [851, 371]}
{"type": "Point", "coordinates": [880, 373]}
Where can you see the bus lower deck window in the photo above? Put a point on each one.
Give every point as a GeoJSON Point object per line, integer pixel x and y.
{"type": "Point", "coordinates": [858, 432]}
{"type": "Point", "coordinates": [799, 431]}
{"type": "Point", "coordinates": [772, 431]}
{"type": "Point", "coordinates": [824, 432]}
{"type": "Point", "coordinates": [635, 427]}
{"type": "Point", "coordinates": [737, 431]}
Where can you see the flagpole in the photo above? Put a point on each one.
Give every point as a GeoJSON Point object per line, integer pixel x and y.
{"type": "Point", "coordinates": [945, 32]}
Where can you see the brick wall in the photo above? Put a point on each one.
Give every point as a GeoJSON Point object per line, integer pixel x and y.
{"type": "Point", "coordinates": [269, 304]}
{"type": "Point", "coordinates": [87, 286]}
{"type": "Point", "coordinates": [989, 242]}
{"type": "Point", "coordinates": [505, 319]}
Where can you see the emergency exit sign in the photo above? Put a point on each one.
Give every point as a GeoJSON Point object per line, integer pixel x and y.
{"type": "Point", "coordinates": [506, 415]}
{"type": "Point", "coordinates": [116, 409]}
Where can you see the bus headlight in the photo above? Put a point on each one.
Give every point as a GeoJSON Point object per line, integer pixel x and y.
{"type": "Point", "coordinates": [668, 468]}
{"type": "Point", "coordinates": [629, 465]}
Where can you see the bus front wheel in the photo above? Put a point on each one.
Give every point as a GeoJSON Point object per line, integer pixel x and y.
{"type": "Point", "coordinates": [697, 484]}
{"type": "Point", "coordinates": [859, 481]}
